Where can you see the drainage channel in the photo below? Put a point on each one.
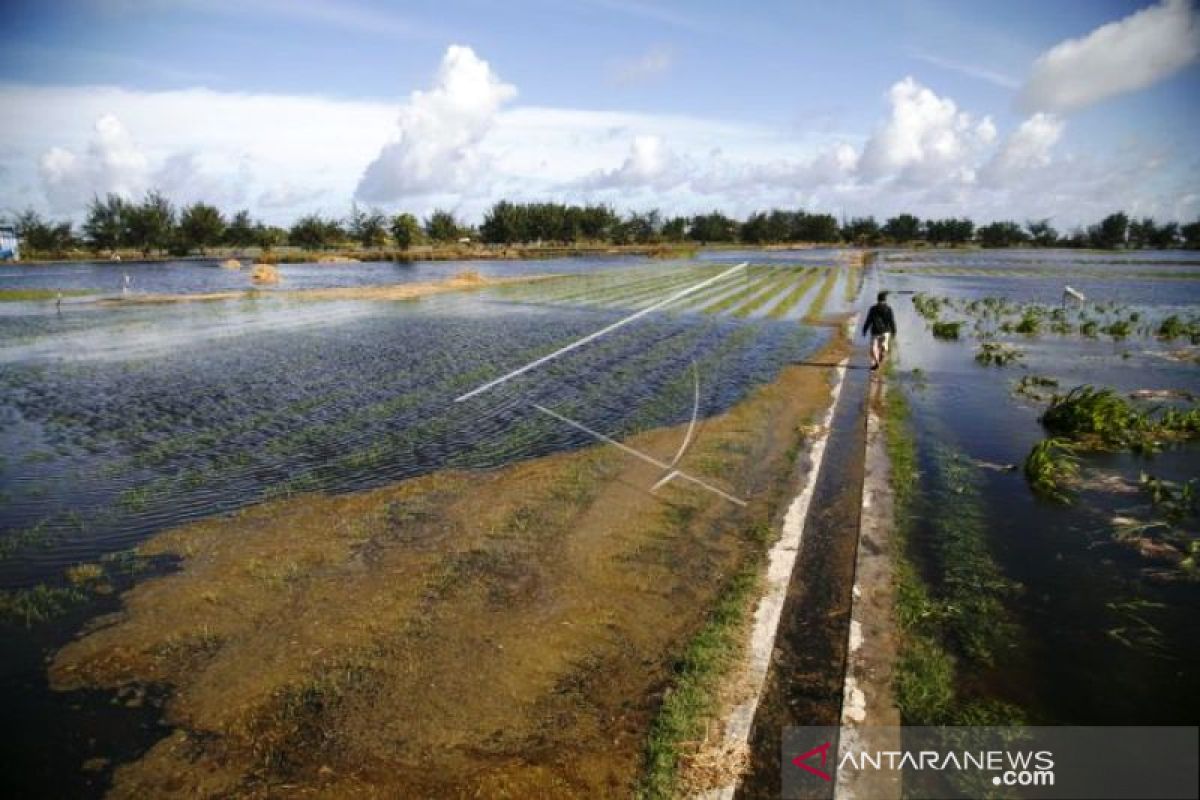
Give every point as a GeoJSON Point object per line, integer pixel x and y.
{"type": "Point", "coordinates": [805, 681]}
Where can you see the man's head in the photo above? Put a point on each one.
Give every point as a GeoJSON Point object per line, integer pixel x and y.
{"type": "Point", "coordinates": [881, 297]}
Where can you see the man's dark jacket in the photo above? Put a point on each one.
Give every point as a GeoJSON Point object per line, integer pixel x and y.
{"type": "Point", "coordinates": [880, 320]}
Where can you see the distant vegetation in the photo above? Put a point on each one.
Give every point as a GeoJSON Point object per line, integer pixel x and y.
{"type": "Point", "coordinates": [155, 225]}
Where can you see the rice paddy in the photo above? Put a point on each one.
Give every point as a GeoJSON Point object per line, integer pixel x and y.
{"type": "Point", "coordinates": [1057, 422]}
{"type": "Point", "coordinates": [323, 438]}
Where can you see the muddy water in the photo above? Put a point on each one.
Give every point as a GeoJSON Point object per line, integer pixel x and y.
{"type": "Point", "coordinates": [1100, 636]}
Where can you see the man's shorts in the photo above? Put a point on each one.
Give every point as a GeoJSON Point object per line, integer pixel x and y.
{"type": "Point", "coordinates": [882, 340]}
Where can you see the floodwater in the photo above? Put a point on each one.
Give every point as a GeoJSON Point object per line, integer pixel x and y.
{"type": "Point", "coordinates": [120, 421]}
{"type": "Point", "coordinates": [206, 275]}
{"type": "Point", "coordinates": [1102, 634]}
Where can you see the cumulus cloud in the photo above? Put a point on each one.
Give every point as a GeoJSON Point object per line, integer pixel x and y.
{"type": "Point", "coordinates": [112, 162]}
{"type": "Point", "coordinates": [437, 147]}
{"type": "Point", "coordinates": [924, 139]}
{"type": "Point", "coordinates": [1026, 149]}
{"type": "Point", "coordinates": [649, 163]}
{"type": "Point", "coordinates": [649, 65]}
{"type": "Point", "coordinates": [1119, 57]}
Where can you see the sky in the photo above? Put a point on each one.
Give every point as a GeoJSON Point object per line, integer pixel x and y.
{"type": "Point", "coordinates": [1025, 109]}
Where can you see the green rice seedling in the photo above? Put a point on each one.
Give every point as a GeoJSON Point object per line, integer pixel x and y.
{"type": "Point", "coordinates": [39, 604]}
{"type": "Point", "coordinates": [1086, 412]}
{"type": "Point", "coordinates": [1090, 329]}
{"type": "Point", "coordinates": [928, 306]}
{"type": "Point", "coordinates": [789, 301]}
{"type": "Point", "coordinates": [1030, 323]}
{"type": "Point", "coordinates": [85, 574]}
{"type": "Point", "coordinates": [1050, 467]}
{"type": "Point", "coordinates": [1119, 329]}
{"type": "Point", "coordinates": [946, 330]}
{"type": "Point", "coordinates": [996, 354]}
{"type": "Point", "coordinates": [817, 307]}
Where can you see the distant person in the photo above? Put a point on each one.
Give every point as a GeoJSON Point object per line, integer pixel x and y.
{"type": "Point", "coordinates": [881, 324]}
{"type": "Point", "coordinates": [125, 288]}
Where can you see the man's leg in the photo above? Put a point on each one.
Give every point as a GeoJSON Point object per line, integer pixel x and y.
{"type": "Point", "coordinates": [875, 355]}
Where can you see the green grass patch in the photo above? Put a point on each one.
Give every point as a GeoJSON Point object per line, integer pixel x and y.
{"type": "Point", "coordinates": [946, 330]}
{"type": "Point", "coordinates": [38, 604]}
{"type": "Point", "coordinates": [1050, 467]}
{"type": "Point", "coordinates": [694, 686]}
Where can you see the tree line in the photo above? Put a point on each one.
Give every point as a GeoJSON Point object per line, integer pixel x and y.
{"type": "Point", "coordinates": [154, 224]}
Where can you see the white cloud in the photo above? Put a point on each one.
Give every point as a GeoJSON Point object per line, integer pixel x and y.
{"type": "Point", "coordinates": [437, 146]}
{"type": "Point", "coordinates": [112, 162]}
{"type": "Point", "coordinates": [649, 163]}
{"type": "Point", "coordinates": [1119, 57]}
{"type": "Point", "coordinates": [1026, 149]}
{"type": "Point", "coordinates": [651, 64]}
{"type": "Point", "coordinates": [924, 139]}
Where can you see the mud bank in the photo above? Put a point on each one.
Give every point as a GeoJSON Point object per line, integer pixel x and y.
{"type": "Point", "coordinates": [510, 632]}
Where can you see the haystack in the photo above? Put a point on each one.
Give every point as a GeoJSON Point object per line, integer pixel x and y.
{"type": "Point", "coordinates": [264, 273]}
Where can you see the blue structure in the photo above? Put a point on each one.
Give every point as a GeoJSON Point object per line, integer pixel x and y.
{"type": "Point", "coordinates": [8, 244]}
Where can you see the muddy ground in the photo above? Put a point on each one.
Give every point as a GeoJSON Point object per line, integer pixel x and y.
{"type": "Point", "coordinates": [508, 633]}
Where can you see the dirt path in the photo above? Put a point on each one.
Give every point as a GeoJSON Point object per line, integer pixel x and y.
{"type": "Point", "coordinates": [507, 633]}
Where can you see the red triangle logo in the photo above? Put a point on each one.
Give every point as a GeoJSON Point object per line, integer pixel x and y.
{"type": "Point", "coordinates": [803, 757]}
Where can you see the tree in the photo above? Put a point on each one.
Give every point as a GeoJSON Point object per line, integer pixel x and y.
{"type": "Point", "coordinates": [42, 236]}
{"type": "Point", "coordinates": [405, 230]}
{"type": "Point", "coordinates": [310, 232]}
{"type": "Point", "coordinates": [1191, 235]}
{"type": "Point", "coordinates": [368, 228]}
{"type": "Point", "coordinates": [1112, 231]}
{"type": "Point", "coordinates": [1001, 234]}
{"type": "Point", "coordinates": [713, 227]}
{"type": "Point", "coordinates": [442, 227]}
{"type": "Point", "coordinates": [201, 226]}
{"type": "Point", "coordinates": [104, 227]}
{"type": "Point", "coordinates": [1040, 232]}
{"type": "Point", "coordinates": [240, 232]}
{"type": "Point", "coordinates": [269, 236]}
{"type": "Point", "coordinates": [902, 228]}
{"type": "Point", "coordinates": [150, 224]}
{"type": "Point", "coordinates": [861, 231]}
{"type": "Point", "coordinates": [502, 224]}
{"type": "Point", "coordinates": [675, 229]}
{"type": "Point", "coordinates": [1165, 236]}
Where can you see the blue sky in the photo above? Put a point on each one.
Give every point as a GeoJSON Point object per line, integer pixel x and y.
{"type": "Point", "coordinates": [635, 102]}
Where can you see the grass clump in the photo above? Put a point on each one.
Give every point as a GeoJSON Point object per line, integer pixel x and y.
{"type": "Point", "coordinates": [1098, 415]}
{"type": "Point", "coordinates": [946, 330]}
{"type": "Point", "coordinates": [39, 604]}
{"type": "Point", "coordinates": [996, 354]}
{"type": "Point", "coordinates": [694, 688]}
{"type": "Point", "coordinates": [928, 306]}
{"type": "Point", "coordinates": [1049, 468]}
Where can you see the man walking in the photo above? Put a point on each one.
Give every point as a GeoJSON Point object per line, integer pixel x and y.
{"type": "Point", "coordinates": [881, 324]}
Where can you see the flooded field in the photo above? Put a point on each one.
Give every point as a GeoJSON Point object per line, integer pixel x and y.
{"type": "Point", "coordinates": [206, 275]}
{"type": "Point", "coordinates": [1052, 537]}
{"type": "Point", "coordinates": [323, 441]}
